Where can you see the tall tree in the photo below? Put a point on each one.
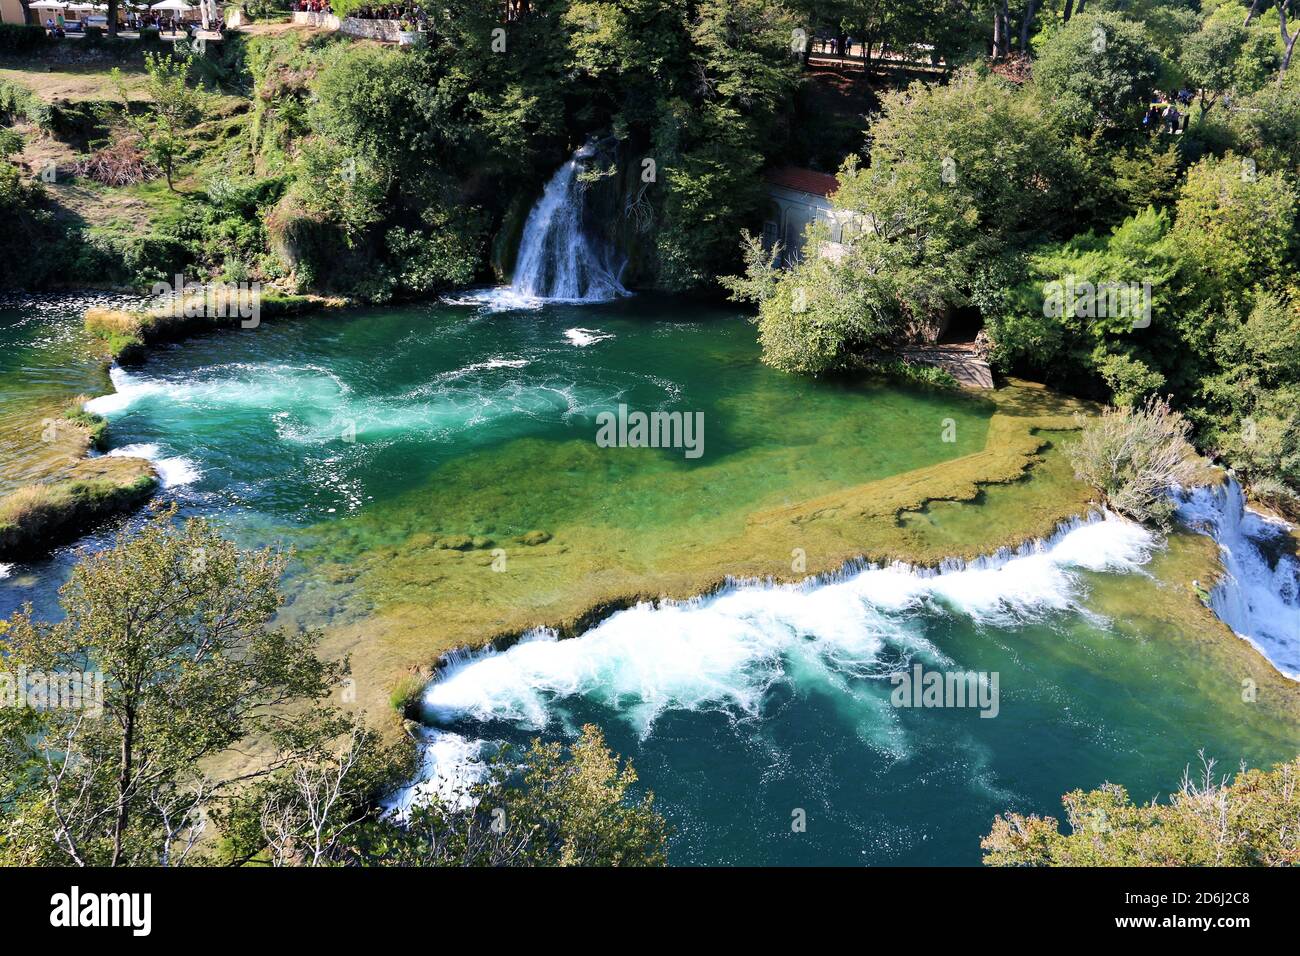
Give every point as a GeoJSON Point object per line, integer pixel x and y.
{"type": "Point", "coordinates": [165, 658]}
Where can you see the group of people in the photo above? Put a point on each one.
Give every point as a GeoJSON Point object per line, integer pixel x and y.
{"type": "Point", "coordinates": [1163, 112]}
{"type": "Point", "coordinates": [312, 6]}
{"type": "Point", "coordinates": [390, 12]}
{"type": "Point", "coordinates": [838, 45]}
{"type": "Point", "coordinates": [56, 26]}
{"type": "Point", "coordinates": [153, 21]}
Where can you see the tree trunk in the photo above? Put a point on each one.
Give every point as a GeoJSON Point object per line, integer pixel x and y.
{"type": "Point", "coordinates": [1069, 10]}
{"type": "Point", "coordinates": [112, 18]}
{"type": "Point", "coordinates": [1031, 7]}
{"type": "Point", "coordinates": [1079, 8]}
{"type": "Point", "coordinates": [123, 781]}
{"type": "Point", "coordinates": [1250, 14]}
{"type": "Point", "coordinates": [1001, 30]}
{"type": "Point", "coordinates": [1287, 38]}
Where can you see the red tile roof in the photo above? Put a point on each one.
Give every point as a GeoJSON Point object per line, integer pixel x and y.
{"type": "Point", "coordinates": [803, 180]}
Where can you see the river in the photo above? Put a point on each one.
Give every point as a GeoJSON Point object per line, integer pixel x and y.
{"type": "Point", "coordinates": [436, 470]}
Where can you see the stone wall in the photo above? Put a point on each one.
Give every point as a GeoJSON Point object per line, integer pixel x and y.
{"type": "Point", "coordinates": [322, 21]}
{"type": "Point", "coordinates": [372, 29]}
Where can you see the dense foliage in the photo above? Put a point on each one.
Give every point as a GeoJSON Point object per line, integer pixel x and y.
{"type": "Point", "coordinates": [127, 724]}
{"type": "Point", "coordinates": [1114, 251]}
{"type": "Point", "coordinates": [1246, 820]}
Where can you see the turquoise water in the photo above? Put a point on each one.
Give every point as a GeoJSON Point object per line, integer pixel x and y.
{"type": "Point", "coordinates": [763, 707]}
{"type": "Point", "coordinates": [363, 439]}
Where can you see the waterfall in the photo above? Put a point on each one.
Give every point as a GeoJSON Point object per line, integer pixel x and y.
{"type": "Point", "coordinates": [559, 260]}
{"type": "Point", "coordinates": [1259, 594]}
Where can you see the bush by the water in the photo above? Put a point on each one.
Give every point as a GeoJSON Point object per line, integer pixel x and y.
{"type": "Point", "coordinates": [1246, 820]}
{"type": "Point", "coordinates": [181, 624]}
{"type": "Point", "coordinates": [1133, 455]}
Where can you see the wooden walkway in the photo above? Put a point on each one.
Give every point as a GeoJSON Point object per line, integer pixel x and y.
{"type": "Point", "coordinates": [959, 359]}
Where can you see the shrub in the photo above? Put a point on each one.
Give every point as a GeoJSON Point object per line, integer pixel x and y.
{"type": "Point", "coordinates": [21, 38]}
{"type": "Point", "coordinates": [19, 103]}
{"type": "Point", "coordinates": [1277, 496]}
{"type": "Point", "coordinates": [1133, 456]}
{"type": "Point", "coordinates": [1248, 821]}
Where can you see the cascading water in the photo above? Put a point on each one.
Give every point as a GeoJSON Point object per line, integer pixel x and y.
{"type": "Point", "coordinates": [559, 259]}
{"type": "Point", "coordinates": [1258, 597]}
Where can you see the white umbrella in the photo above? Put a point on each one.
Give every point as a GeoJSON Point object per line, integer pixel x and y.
{"type": "Point", "coordinates": [47, 5]}
{"type": "Point", "coordinates": [178, 6]}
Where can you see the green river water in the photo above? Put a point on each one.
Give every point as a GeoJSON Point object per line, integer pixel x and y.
{"type": "Point", "coordinates": [403, 451]}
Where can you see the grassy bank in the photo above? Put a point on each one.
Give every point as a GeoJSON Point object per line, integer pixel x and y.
{"type": "Point", "coordinates": [36, 518]}
{"type": "Point", "coordinates": [127, 335]}
{"type": "Point", "coordinates": [40, 517]}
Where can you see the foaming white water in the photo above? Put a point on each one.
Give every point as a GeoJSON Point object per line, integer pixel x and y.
{"type": "Point", "coordinates": [584, 337]}
{"type": "Point", "coordinates": [725, 651]}
{"type": "Point", "coordinates": [172, 471]}
{"type": "Point", "coordinates": [558, 261]}
{"type": "Point", "coordinates": [236, 385]}
{"type": "Point", "coordinates": [6, 570]}
{"type": "Point", "coordinates": [452, 765]}
{"type": "Point", "coordinates": [484, 366]}
{"type": "Point", "coordinates": [496, 299]}
{"type": "Point", "coordinates": [310, 405]}
{"type": "Point", "coordinates": [1258, 600]}
{"type": "Point", "coordinates": [127, 389]}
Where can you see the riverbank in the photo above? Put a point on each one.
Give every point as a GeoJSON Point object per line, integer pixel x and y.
{"type": "Point", "coordinates": [128, 334]}
{"type": "Point", "coordinates": [36, 519]}
{"type": "Point", "coordinates": [76, 492]}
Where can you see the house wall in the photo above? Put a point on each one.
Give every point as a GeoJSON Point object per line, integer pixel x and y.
{"type": "Point", "coordinates": [792, 211]}
{"type": "Point", "coordinates": [11, 11]}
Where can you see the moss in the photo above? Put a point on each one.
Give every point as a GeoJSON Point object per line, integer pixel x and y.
{"type": "Point", "coordinates": [37, 518]}
{"type": "Point", "coordinates": [406, 695]}
{"type": "Point", "coordinates": [96, 426]}
{"type": "Point", "coordinates": [127, 334]}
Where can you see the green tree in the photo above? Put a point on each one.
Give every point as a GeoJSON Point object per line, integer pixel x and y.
{"type": "Point", "coordinates": [174, 625]}
{"type": "Point", "coordinates": [1248, 820]}
{"type": "Point", "coordinates": [550, 806]}
{"type": "Point", "coordinates": [174, 108]}
{"type": "Point", "coordinates": [1235, 228]}
{"type": "Point", "coordinates": [1098, 70]}
{"type": "Point", "coordinates": [958, 174]}
{"type": "Point", "coordinates": [1209, 58]}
